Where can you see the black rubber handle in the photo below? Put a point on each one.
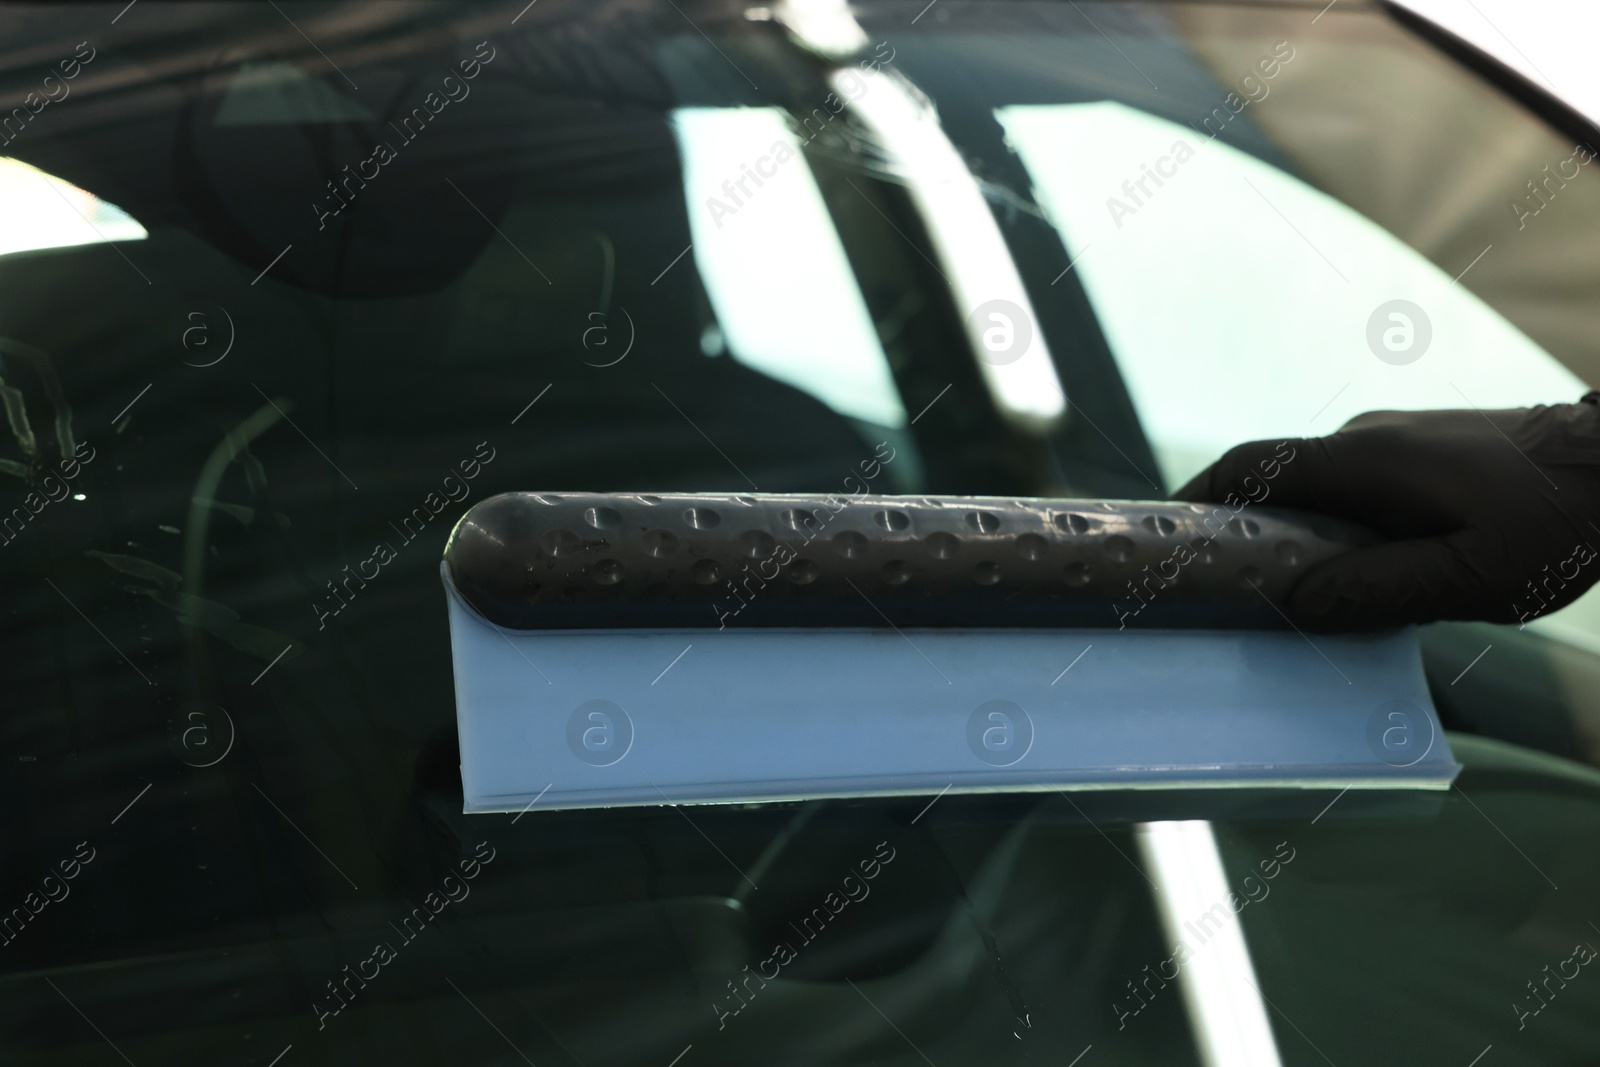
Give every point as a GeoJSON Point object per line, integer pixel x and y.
{"type": "Point", "coordinates": [602, 560]}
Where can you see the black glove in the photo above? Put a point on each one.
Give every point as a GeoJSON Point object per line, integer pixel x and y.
{"type": "Point", "coordinates": [1492, 515]}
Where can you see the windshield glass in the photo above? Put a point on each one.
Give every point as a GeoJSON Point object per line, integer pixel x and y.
{"type": "Point", "coordinates": [286, 288]}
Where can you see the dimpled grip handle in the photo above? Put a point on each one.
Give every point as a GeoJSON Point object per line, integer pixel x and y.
{"type": "Point", "coordinates": [562, 561]}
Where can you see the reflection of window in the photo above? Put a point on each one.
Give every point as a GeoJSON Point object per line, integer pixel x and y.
{"type": "Point", "coordinates": [785, 297]}
{"type": "Point", "coordinates": [39, 211]}
{"type": "Point", "coordinates": [1237, 299]}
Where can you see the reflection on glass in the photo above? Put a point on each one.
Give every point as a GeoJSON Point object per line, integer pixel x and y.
{"type": "Point", "coordinates": [41, 211]}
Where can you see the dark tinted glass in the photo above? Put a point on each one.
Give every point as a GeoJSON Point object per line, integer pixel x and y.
{"type": "Point", "coordinates": [234, 450]}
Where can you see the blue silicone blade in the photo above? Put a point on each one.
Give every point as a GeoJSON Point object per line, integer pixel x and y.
{"type": "Point", "coordinates": [583, 719]}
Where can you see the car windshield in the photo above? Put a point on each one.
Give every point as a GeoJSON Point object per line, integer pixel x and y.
{"type": "Point", "coordinates": [287, 287]}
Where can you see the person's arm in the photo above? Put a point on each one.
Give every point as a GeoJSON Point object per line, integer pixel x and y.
{"type": "Point", "coordinates": [1491, 515]}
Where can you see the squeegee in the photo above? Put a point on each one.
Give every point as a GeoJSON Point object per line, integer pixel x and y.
{"type": "Point", "coordinates": [625, 649]}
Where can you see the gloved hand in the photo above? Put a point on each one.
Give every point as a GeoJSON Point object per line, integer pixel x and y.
{"type": "Point", "coordinates": [1492, 515]}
